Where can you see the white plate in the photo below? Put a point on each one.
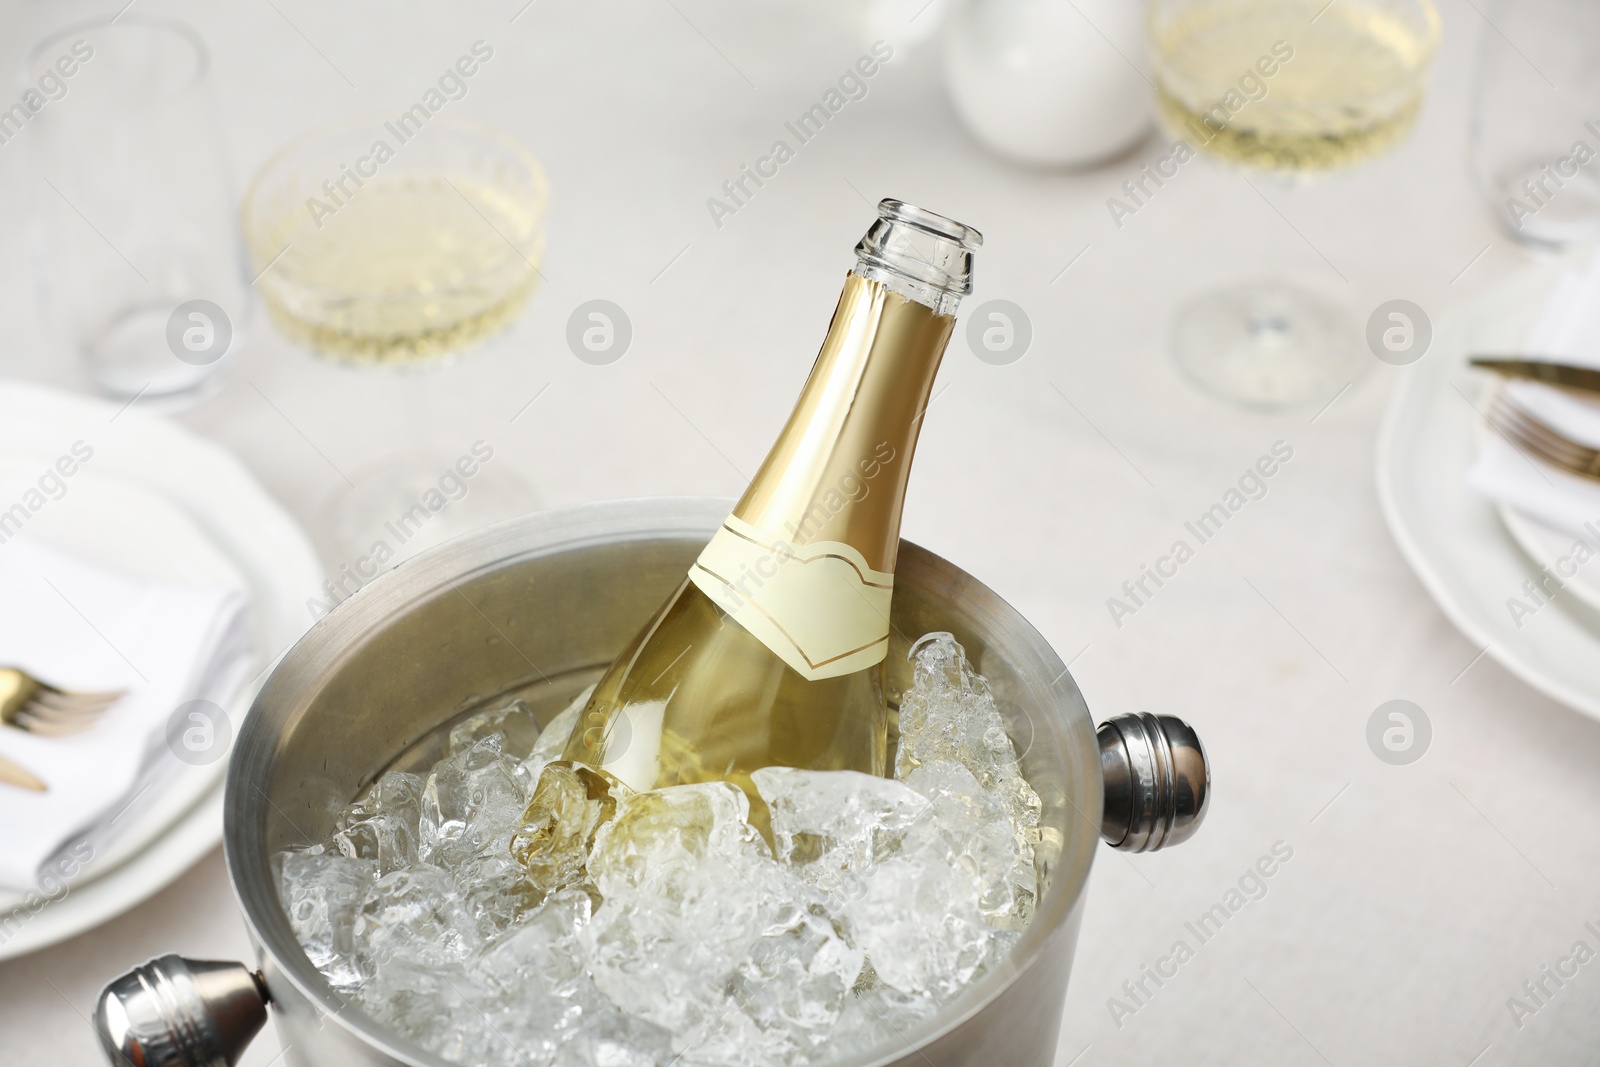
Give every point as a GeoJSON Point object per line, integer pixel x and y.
{"type": "Point", "coordinates": [1546, 546]}
{"type": "Point", "coordinates": [1453, 537]}
{"type": "Point", "coordinates": [156, 540]}
{"type": "Point", "coordinates": [159, 502]}
{"type": "Point", "coordinates": [92, 901]}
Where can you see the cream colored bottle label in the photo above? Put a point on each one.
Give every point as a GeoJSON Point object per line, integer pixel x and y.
{"type": "Point", "coordinates": [819, 607]}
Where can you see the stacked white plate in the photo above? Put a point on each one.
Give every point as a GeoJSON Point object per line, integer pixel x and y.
{"type": "Point", "coordinates": [157, 502]}
{"type": "Point", "coordinates": [1473, 555]}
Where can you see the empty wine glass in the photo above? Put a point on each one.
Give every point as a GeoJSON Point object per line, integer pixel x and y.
{"type": "Point", "coordinates": [1535, 145]}
{"type": "Point", "coordinates": [139, 266]}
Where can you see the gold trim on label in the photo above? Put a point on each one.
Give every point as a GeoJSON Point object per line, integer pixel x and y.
{"type": "Point", "coordinates": [786, 554]}
{"type": "Point", "coordinates": [825, 618]}
{"type": "Point", "coordinates": [813, 664]}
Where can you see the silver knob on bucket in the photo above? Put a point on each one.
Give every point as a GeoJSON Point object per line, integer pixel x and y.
{"type": "Point", "coordinates": [174, 1012]}
{"type": "Point", "coordinates": [1157, 781]}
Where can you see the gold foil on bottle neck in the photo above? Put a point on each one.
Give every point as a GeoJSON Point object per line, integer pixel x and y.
{"type": "Point", "coordinates": [838, 471]}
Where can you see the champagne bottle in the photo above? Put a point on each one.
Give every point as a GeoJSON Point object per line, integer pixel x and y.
{"type": "Point", "coordinates": [770, 653]}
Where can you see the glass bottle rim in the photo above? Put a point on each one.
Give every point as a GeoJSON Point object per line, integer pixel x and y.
{"type": "Point", "coordinates": [939, 225]}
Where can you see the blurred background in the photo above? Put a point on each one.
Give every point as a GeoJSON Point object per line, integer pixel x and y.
{"type": "Point", "coordinates": [672, 320]}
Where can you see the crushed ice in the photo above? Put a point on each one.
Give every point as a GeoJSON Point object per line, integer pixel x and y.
{"type": "Point", "coordinates": [594, 926]}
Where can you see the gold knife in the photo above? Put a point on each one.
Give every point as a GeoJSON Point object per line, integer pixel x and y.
{"type": "Point", "coordinates": [16, 774]}
{"type": "Point", "coordinates": [1537, 370]}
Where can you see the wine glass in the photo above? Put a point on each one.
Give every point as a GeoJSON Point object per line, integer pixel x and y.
{"type": "Point", "coordinates": [395, 244]}
{"type": "Point", "coordinates": [139, 269]}
{"type": "Point", "coordinates": [1286, 89]}
{"type": "Point", "coordinates": [1535, 126]}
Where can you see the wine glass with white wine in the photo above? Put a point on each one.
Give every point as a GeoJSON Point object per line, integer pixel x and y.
{"type": "Point", "coordinates": [1288, 89]}
{"type": "Point", "coordinates": [395, 244]}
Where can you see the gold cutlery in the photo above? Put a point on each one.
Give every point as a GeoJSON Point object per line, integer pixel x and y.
{"type": "Point", "coordinates": [16, 774]}
{"type": "Point", "coordinates": [29, 704]}
{"type": "Point", "coordinates": [1530, 435]}
{"type": "Point", "coordinates": [1566, 375]}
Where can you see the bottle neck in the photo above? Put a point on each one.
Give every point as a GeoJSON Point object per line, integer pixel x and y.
{"type": "Point", "coordinates": [838, 472]}
{"type": "Point", "coordinates": [922, 256]}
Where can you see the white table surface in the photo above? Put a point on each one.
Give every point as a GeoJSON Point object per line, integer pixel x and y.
{"type": "Point", "coordinates": [1419, 899]}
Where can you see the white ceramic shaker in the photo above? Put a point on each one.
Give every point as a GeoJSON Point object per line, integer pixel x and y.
{"type": "Point", "coordinates": [1049, 82]}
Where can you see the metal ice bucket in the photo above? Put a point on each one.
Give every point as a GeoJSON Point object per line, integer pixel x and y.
{"type": "Point", "coordinates": [554, 596]}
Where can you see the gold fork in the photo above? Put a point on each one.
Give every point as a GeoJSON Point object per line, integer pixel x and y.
{"type": "Point", "coordinates": [29, 704]}
{"type": "Point", "coordinates": [12, 773]}
{"type": "Point", "coordinates": [1528, 433]}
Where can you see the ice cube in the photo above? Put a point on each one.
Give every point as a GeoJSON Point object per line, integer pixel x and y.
{"type": "Point", "coordinates": [729, 1036]}
{"type": "Point", "coordinates": [878, 1015]}
{"type": "Point", "coordinates": [382, 825]}
{"type": "Point", "coordinates": [455, 1012]}
{"type": "Point", "coordinates": [862, 840]}
{"type": "Point", "coordinates": [514, 722]}
{"type": "Point", "coordinates": [831, 825]}
{"type": "Point", "coordinates": [496, 891]}
{"type": "Point", "coordinates": [397, 793]}
{"type": "Point", "coordinates": [543, 954]}
{"type": "Point", "coordinates": [472, 802]}
{"type": "Point", "coordinates": [558, 827]}
{"type": "Point", "coordinates": [1001, 944]}
{"type": "Point", "coordinates": [982, 839]}
{"type": "Point", "coordinates": [415, 916]}
{"type": "Point", "coordinates": [797, 976]}
{"type": "Point", "coordinates": [609, 1038]}
{"type": "Point", "coordinates": [441, 1010]}
{"type": "Point", "coordinates": [917, 917]}
{"type": "Point", "coordinates": [689, 887]}
{"type": "Point", "coordinates": [322, 893]}
{"type": "Point", "coordinates": [949, 714]}
{"type": "Point", "coordinates": [537, 1024]}
{"type": "Point", "coordinates": [388, 840]}
{"type": "Point", "coordinates": [706, 822]}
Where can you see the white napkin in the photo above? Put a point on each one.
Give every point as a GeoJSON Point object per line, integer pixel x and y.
{"type": "Point", "coordinates": [1568, 332]}
{"type": "Point", "coordinates": [79, 627]}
